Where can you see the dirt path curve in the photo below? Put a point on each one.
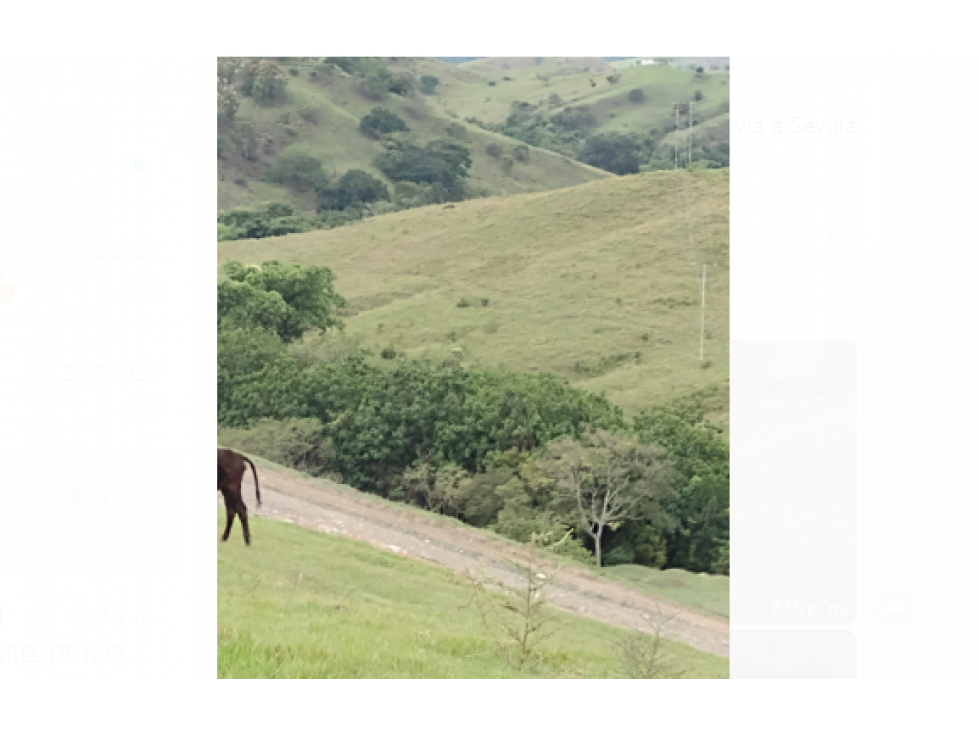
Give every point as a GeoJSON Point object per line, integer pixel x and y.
{"type": "Point", "coordinates": [330, 508]}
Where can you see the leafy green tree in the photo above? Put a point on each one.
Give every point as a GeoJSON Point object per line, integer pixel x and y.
{"type": "Point", "coordinates": [228, 68]}
{"type": "Point", "coordinates": [227, 103]}
{"type": "Point", "coordinates": [248, 143]}
{"type": "Point", "coordinates": [297, 170]}
{"type": "Point", "coordinates": [265, 220]}
{"type": "Point", "coordinates": [269, 83]}
{"type": "Point", "coordinates": [698, 95]}
{"type": "Point", "coordinates": [242, 305]}
{"type": "Point", "coordinates": [441, 161]}
{"type": "Point", "coordinates": [456, 131]}
{"type": "Point", "coordinates": [573, 119]}
{"type": "Point", "coordinates": [287, 300]}
{"type": "Point", "coordinates": [400, 84]}
{"type": "Point", "coordinates": [380, 122]}
{"type": "Point", "coordinates": [615, 152]}
{"type": "Point", "coordinates": [354, 189]}
{"type": "Point", "coordinates": [375, 82]}
{"type": "Point", "coordinates": [428, 84]}
{"type": "Point", "coordinates": [700, 458]}
{"type": "Point", "coordinates": [256, 377]}
{"type": "Point", "coordinates": [604, 479]}
{"type": "Point", "coordinates": [636, 95]}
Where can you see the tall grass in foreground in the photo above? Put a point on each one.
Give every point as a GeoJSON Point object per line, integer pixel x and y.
{"type": "Point", "coordinates": [302, 604]}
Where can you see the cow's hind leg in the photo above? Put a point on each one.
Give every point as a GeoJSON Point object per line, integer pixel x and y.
{"type": "Point", "coordinates": [243, 514]}
{"type": "Point", "coordinates": [231, 510]}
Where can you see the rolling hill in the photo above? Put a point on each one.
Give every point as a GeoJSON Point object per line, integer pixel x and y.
{"type": "Point", "coordinates": [568, 78]}
{"type": "Point", "coordinates": [320, 116]}
{"type": "Point", "coordinates": [599, 283]}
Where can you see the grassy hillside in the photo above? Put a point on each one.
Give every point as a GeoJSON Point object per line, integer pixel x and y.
{"type": "Point", "coordinates": [303, 604]}
{"type": "Point", "coordinates": [515, 64]}
{"type": "Point", "coordinates": [708, 592]}
{"type": "Point", "coordinates": [320, 116]}
{"type": "Point", "coordinates": [662, 87]}
{"type": "Point", "coordinates": [599, 283]}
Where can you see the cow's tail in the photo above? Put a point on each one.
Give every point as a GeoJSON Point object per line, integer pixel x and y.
{"type": "Point", "coordinates": [258, 494]}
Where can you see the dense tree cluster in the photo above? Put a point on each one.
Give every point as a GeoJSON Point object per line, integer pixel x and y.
{"type": "Point", "coordinates": [516, 453]}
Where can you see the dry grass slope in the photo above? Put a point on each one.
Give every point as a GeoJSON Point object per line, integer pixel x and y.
{"type": "Point", "coordinates": [600, 283]}
{"type": "Point", "coordinates": [321, 116]}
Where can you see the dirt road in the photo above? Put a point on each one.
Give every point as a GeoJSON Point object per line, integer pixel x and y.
{"type": "Point", "coordinates": [331, 508]}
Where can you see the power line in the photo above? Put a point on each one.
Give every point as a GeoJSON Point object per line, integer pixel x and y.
{"type": "Point", "coordinates": [703, 308]}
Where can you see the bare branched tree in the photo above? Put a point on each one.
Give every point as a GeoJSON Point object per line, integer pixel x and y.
{"type": "Point", "coordinates": [641, 653]}
{"type": "Point", "coordinates": [604, 478]}
{"type": "Point", "coordinates": [517, 617]}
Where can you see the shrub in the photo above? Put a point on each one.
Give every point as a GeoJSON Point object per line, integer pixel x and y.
{"type": "Point", "coordinates": [401, 84]}
{"type": "Point", "coordinates": [408, 194]}
{"type": "Point", "coordinates": [519, 619]}
{"type": "Point", "coordinates": [491, 83]}
{"type": "Point", "coordinates": [299, 443]}
{"type": "Point", "coordinates": [620, 556]}
{"type": "Point", "coordinates": [388, 353]}
{"type": "Point", "coordinates": [700, 70]}
{"type": "Point", "coordinates": [269, 83]}
{"type": "Point", "coordinates": [456, 131]}
{"type": "Point", "coordinates": [297, 170]}
{"type": "Point", "coordinates": [521, 153]}
{"type": "Point", "coordinates": [507, 164]}
{"type": "Point", "coordinates": [642, 655]}
{"type": "Point", "coordinates": [247, 140]}
{"type": "Point", "coordinates": [463, 303]}
{"type": "Point", "coordinates": [428, 84]}
{"type": "Point", "coordinates": [293, 72]}
{"type": "Point", "coordinates": [441, 162]}
{"type": "Point", "coordinates": [310, 115]}
{"type": "Point", "coordinates": [613, 78]}
{"type": "Point", "coordinates": [636, 95]}
{"type": "Point", "coordinates": [613, 152]}
{"type": "Point", "coordinates": [379, 122]}
{"type": "Point", "coordinates": [355, 188]}
{"type": "Point", "coordinates": [494, 150]}
{"type": "Point", "coordinates": [698, 95]}
{"type": "Point", "coordinates": [265, 220]}
{"type": "Point", "coordinates": [374, 84]}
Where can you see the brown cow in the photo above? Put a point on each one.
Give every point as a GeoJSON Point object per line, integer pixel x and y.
{"type": "Point", "coordinates": [231, 470]}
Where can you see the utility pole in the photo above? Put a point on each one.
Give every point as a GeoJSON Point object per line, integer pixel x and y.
{"type": "Point", "coordinates": [676, 135]}
{"type": "Point", "coordinates": [690, 136]}
{"type": "Point", "coordinates": [703, 306]}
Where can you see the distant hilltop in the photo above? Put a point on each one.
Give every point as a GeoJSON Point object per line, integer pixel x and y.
{"type": "Point", "coordinates": [457, 59]}
{"type": "Point", "coordinates": [463, 59]}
